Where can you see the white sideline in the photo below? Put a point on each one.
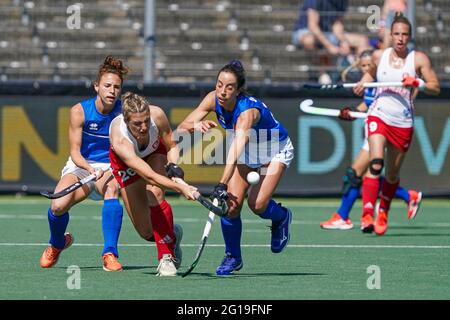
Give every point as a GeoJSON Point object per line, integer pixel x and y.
{"type": "Point", "coordinates": [326, 246]}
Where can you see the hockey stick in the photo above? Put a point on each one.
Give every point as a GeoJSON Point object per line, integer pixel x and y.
{"type": "Point", "coordinates": [351, 85]}
{"type": "Point", "coordinates": [221, 211]}
{"type": "Point", "coordinates": [205, 236]}
{"type": "Point", "coordinates": [307, 107]}
{"type": "Point", "coordinates": [69, 189]}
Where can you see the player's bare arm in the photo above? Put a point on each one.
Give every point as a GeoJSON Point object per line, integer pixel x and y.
{"type": "Point", "coordinates": [125, 150]}
{"type": "Point", "coordinates": [194, 121]}
{"type": "Point", "coordinates": [245, 122]}
{"type": "Point", "coordinates": [165, 131]}
{"type": "Point", "coordinates": [425, 71]}
{"type": "Point", "coordinates": [75, 137]}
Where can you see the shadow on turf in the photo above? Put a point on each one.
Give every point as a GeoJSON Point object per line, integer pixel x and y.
{"type": "Point", "coordinates": [253, 275]}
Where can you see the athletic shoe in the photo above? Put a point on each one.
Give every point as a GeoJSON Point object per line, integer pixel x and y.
{"type": "Point", "coordinates": [229, 265]}
{"type": "Point", "coordinates": [178, 231]}
{"type": "Point", "coordinates": [280, 233]}
{"type": "Point", "coordinates": [166, 267]}
{"type": "Point", "coordinates": [367, 223]}
{"type": "Point", "coordinates": [110, 262]}
{"type": "Point", "coordinates": [51, 254]}
{"type": "Point", "coordinates": [381, 222]}
{"type": "Point", "coordinates": [415, 199]}
{"type": "Point", "coordinates": [336, 223]}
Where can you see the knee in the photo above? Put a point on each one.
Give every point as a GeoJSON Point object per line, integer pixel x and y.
{"type": "Point", "coordinates": [258, 206]}
{"type": "Point", "coordinates": [58, 208]}
{"type": "Point", "coordinates": [376, 166]}
{"type": "Point", "coordinates": [155, 192]}
{"type": "Point", "coordinates": [308, 42]}
{"type": "Point", "coordinates": [112, 191]}
{"type": "Point", "coordinates": [234, 210]}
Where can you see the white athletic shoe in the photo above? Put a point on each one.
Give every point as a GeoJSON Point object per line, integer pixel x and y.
{"type": "Point", "coordinates": [166, 267]}
{"type": "Point", "coordinates": [178, 231]}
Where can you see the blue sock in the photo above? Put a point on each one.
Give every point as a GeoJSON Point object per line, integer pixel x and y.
{"type": "Point", "coordinates": [232, 231]}
{"type": "Point", "coordinates": [347, 202]}
{"type": "Point", "coordinates": [112, 213]}
{"type": "Point", "coordinates": [274, 212]}
{"type": "Point", "coordinates": [58, 225]}
{"type": "Point", "coordinates": [403, 194]}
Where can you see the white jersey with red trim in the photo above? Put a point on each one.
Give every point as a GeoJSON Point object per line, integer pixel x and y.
{"type": "Point", "coordinates": [394, 105]}
{"type": "Point", "coordinates": [153, 134]}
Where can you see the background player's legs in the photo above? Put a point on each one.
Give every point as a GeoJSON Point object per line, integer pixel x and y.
{"type": "Point", "coordinates": [352, 183]}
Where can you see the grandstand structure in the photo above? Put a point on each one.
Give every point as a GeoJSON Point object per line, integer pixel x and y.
{"type": "Point", "coordinates": [193, 39]}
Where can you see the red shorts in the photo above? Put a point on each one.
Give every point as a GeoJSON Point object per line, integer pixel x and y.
{"type": "Point", "coordinates": [399, 137]}
{"type": "Point", "coordinates": [125, 175]}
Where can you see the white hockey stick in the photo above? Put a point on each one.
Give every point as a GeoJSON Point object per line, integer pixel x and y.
{"type": "Point", "coordinates": [307, 107]}
{"type": "Point", "coordinates": [352, 85]}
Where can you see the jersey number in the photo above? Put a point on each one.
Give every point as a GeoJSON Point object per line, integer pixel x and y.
{"type": "Point", "coordinates": [127, 174]}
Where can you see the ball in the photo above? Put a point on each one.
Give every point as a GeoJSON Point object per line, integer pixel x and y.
{"type": "Point", "coordinates": [253, 177]}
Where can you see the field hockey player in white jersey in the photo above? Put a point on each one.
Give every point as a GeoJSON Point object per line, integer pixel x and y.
{"type": "Point", "coordinates": [390, 118]}
{"type": "Point", "coordinates": [143, 159]}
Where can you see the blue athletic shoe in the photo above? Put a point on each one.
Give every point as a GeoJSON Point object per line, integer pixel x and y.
{"type": "Point", "coordinates": [280, 233]}
{"type": "Point", "coordinates": [229, 265]}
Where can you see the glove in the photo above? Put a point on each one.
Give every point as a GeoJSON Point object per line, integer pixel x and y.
{"type": "Point", "coordinates": [220, 192]}
{"type": "Point", "coordinates": [409, 81]}
{"type": "Point", "coordinates": [345, 114]}
{"type": "Point", "coordinates": [174, 171]}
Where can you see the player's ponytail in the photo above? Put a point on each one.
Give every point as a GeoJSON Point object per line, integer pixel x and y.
{"type": "Point", "coordinates": [400, 18]}
{"type": "Point", "coordinates": [112, 65]}
{"type": "Point", "coordinates": [133, 103]}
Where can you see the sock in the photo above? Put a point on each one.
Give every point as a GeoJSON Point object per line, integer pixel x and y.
{"type": "Point", "coordinates": [387, 193]}
{"type": "Point", "coordinates": [232, 231]}
{"type": "Point", "coordinates": [347, 202]}
{"type": "Point", "coordinates": [370, 194]}
{"type": "Point", "coordinates": [403, 194]}
{"type": "Point", "coordinates": [274, 212]}
{"type": "Point", "coordinates": [162, 223]}
{"type": "Point", "coordinates": [112, 214]}
{"type": "Point", "coordinates": [58, 225]}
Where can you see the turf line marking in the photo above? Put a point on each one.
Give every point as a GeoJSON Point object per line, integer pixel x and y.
{"type": "Point", "coordinates": [326, 246]}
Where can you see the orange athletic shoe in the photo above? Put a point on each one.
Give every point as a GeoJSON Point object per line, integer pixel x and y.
{"type": "Point", "coordinates": [336, 223]}
{"type": "Point", "coordinates": [381, 224]}
{"type": "Point", "coordinates": [51, 254]}
{"type": "Point", "coordinates": [110, 262]}
{"type": "Point", "coordinates": [415, 199]}
{"type": "Point", "coordinates": [367, 223]}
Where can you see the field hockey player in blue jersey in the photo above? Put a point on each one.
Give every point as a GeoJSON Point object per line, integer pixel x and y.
{"type": "Point", "coordinates": [89, 153]}
{"type": "Point", "coordinates": [253, 128]}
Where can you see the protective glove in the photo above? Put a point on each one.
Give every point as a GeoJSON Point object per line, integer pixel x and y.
{"type": "Point", "coordinates": [174, 171]}
{"type": "Point", "coordinates": [345, 114]}
{"type": "Point", "coordinates": [409, 81]}
{"type": "Point", "coordinates": [220, 192]}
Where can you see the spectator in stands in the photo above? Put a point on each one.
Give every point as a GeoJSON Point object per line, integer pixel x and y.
{"type": "Point", "coordinates": [320, 25]}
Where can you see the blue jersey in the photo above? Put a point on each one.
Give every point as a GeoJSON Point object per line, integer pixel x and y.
{"type": "Point", "coordinates": [369, 96]}
{"type": "Point", "coordinates": [266, 125]}
{"type": "Point", "coordinates": [95, 134]}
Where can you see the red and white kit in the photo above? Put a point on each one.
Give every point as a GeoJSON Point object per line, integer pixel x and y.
{"type": "Point", "coordinates": [392, 113]}
{"type": "Point", "coordinates": [124, 175]}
